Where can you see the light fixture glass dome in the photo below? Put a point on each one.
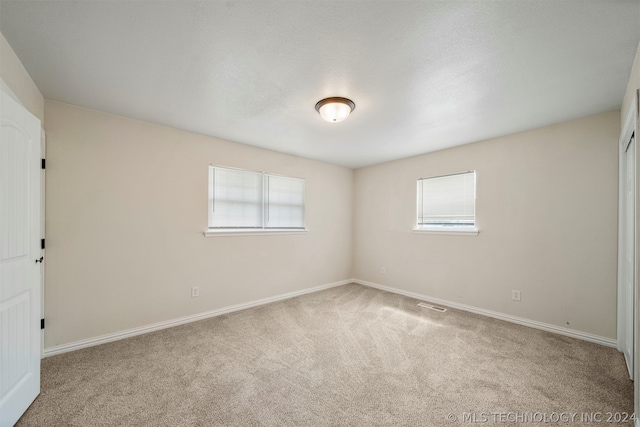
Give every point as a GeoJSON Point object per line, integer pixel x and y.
{"type": "Point", "coordinates": [335, 109]}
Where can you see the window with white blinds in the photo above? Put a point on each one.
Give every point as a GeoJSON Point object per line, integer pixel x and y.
{"type": "Point", "coordinates": [447, 201]}
{"type": "Point", "coordinates": [246, 200]}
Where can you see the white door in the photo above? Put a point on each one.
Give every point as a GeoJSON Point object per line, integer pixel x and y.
{"type": "Point", "coordinates": [628, 246]}
{"type": "Point", "coordinates": [20, 260]}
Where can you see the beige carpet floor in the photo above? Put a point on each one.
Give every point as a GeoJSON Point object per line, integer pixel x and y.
{"type": "Point", "coordinates": [347, 356]}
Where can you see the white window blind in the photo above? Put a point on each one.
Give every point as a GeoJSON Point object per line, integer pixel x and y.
{"type": "Point", "coordinates": [447, 200]}
{"type": "Point", "coordinates": [285, 202]}
{"type": "Point", "coordinates": [240, 199]}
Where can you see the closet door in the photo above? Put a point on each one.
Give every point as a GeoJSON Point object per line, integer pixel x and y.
{"type": "Point", "coordinates": [626, 332]}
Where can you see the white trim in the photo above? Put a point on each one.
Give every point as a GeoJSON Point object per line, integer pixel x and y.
{"type": "Point", "coordinates": [103, 339]}
{"type": "Point", "coordinates": [506, 317]}
{"type": "Point", "coordinates": [620, 317]}
{"type": "Point", "coordinates": [43, 214]}
{"type": "Point", "coordinates": [628, 129]}
{"type": "Point", "coordinates": [252, 232]}
{"type": "Point", "coordinates": [469, 231]}
{"type": "Point", "coordinates": [629, 126]}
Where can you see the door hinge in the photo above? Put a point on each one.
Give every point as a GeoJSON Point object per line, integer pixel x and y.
{"type": "Point", "coordinates": [43, 164]}
{"type": "Point", "coordinates": [41, 323]}
{"type": "Point", "coordinates": [41, 243]}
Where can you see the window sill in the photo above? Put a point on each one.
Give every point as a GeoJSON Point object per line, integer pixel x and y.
{"type": "Point", "coordinates": [252, 232]}
{"type": "Point", "coordinates": [467, 231]}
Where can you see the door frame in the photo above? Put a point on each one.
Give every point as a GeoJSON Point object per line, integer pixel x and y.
{"type": "Point", "coordinates": [43, 181]}
{"type": "Point", "coordinates": [631, 122]}
{"type": "Point", "coordinates": [628, 131]}
{"type": "Point", "coordinates": [629, 128]}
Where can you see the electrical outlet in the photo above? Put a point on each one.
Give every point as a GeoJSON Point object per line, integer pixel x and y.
{"type": "Point", "coordinates": [515, 295]}
{"type": "Point", "coordinates": [383, 270]}
{"type": "Point", "coordinates": [195, 292]}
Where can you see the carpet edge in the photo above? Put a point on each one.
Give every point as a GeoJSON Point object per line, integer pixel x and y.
{"type": "Point", "coordinates": [115, 336]}
{"type": "Point", "coordinates": [608, 342]}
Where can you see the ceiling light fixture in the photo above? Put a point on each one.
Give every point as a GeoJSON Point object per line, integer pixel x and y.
{"type": "Point", "coordinates": [335, 109]}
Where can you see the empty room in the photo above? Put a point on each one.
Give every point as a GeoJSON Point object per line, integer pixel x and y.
{"type": "Point", "coordinates": [319, 213]}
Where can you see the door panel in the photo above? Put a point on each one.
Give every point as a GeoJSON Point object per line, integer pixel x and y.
{"type": "Point", "coordinates": [19, 249]}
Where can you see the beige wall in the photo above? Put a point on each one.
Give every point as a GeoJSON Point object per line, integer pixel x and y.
{"type": "Point", "coordinates": [126, 209]}
{"type": "Point", "coordinates": [19, 81]}
{"type": "Point", "coordinates": [547, 214]}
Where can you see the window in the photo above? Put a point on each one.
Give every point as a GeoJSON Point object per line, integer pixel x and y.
{"type": "Point", "coordinates": [246, 201]}
{"type": "Point", "coordinates": [447, 203]}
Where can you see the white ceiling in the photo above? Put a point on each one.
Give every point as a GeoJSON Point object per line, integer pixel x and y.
{"type": "Point", "coordinates": [425, 75]}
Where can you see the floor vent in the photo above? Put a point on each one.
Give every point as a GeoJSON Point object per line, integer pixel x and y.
{"type": "Point", "coordinates": [432, 307]}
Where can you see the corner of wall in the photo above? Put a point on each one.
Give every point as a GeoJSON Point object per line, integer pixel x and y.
{"type": "Point", "coordinates": [354, 206]}
{"type": "Point", "coordinates": [632, 86]}
{"type": "Point", "coordinates": [16, 77]}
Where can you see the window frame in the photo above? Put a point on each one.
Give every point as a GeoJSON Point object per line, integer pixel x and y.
{"type": "Point", "coordinates": [252, 231]}
{"type": "Point", "coordinates": [453, 228]}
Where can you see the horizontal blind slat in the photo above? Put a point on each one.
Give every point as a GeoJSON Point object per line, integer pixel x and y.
{"type": "Point", "coordinates": [238, 199]}
{"type": "Point", "coordinates": [245, 199]}
{"type": "Point", "coordinates": [447, 200]}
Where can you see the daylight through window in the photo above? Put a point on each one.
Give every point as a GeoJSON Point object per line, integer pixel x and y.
{"type": "Point", "coordinates": [447, 201]}
{"type": "Point", "coordinates": [246, 200]}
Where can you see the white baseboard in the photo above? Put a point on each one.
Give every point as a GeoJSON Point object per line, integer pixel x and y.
{"type": "Point", "coordinates": [90, 342]}
{"type": "Point", "coordinates": [506, 317]}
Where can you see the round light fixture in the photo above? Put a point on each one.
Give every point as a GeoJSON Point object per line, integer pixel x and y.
{"type": "Point", "coordinates": [335, 109]}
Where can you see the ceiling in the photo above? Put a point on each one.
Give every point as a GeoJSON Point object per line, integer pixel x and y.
{"type": "Point", "coordinates": [425, 75]}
